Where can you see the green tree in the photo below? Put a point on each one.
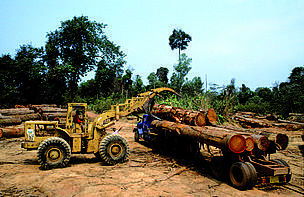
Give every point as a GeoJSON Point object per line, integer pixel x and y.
{"type": "Point", "coordinates": [153, 81]}
{"type": "Point", "coordinates": [138, 86]}
{"type": "Point", "coordinates": [8, 91]}
{"type": "Point", "coordinates": [179, 40]}
{"type": "Point", "coordinates": [244, 94]}
{"type": "Point", "coordinates": [193, 87]}
{"type": "Point", "coordinates": [162, 74]}
{"type": "Point", "coordinates": [80, 44]}
{"type": "Point", "coordinates": [180, 71]}
{"type": "Point", "coordinates": [30, 74]}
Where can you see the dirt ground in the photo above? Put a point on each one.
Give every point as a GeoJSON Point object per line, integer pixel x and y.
{"type": "Point", "coordinates": [144, 174]}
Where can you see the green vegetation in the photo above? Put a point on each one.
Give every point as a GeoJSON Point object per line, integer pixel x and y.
{"type": "Point", "coordinates": [51, 74]}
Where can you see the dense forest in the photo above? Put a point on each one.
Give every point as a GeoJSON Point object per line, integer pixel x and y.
{"type": "Point", "coordinates": [52, 74]}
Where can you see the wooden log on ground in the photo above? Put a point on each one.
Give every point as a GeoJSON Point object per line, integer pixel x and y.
{"type": "Point", "coordinates": [179, 115]}
{"type": "Point", "coordinates": [214, 136]}
{"type": "Point", "coordinates": [252, 122]}
{"type": "Point", "coordinates": [18, 111]}
{"type": "Point", "coordinates": [10, 121]}
{"type": "Point", "coordinates": [9, 132]}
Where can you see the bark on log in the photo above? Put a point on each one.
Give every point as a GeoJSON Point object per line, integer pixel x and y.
{"type": "Point", "coordinates": [214, 136]}
{"type": "Point", "coordinates": [9, 132]}
{"type": "Point", "coordinates": [179, 115]}
{"type": "Point", "coordinates": [252, 122]}
{"type": "Point", "coordinates": [10, 121]}
{"type": "Point", "coordinates": [18, 111]}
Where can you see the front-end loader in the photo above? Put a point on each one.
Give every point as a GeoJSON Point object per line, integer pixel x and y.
{"type": "Point", "coordinates": [55, 145]}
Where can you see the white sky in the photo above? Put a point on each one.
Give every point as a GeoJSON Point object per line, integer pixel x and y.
{"type": "Point", "coordinates": [257, 42]}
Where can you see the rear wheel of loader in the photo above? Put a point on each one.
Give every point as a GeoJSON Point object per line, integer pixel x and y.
{"type": "Point", "coordinates": [54, 152]}
{"type": "Point", "coordinates": [241, 176]}
{"type": "Point", "coordinates": [114, 149]}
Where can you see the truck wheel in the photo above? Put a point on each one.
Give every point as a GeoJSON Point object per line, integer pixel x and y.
{"type": "Point", "coordinates": [284, 163]}
{"type": "Point", "coordinates": [240, 175]}
{"type": "Point", "coordinates": [114, 149]}
{"type": "Point", "coordinates": [136, 135]}
{"type": "Point", "coordinates": [253, 175]}
{"type": "Point", "coordinates": [54, 152]}
{"type": "Point", "coordinates": [219, 167]}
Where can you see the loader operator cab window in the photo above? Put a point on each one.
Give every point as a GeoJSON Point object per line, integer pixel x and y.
{"type": "Point", "coordinates": [78, 118]}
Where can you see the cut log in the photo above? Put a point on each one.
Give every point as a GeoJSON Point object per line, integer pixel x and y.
{"type": "Point", "coordinates": [18, 111]}
{"type": "Point", "coordinates": [10, 121]}
{"type": "Point", "coordinates": [280, 139]}
{"type": "Point", "coordinates": [9, 132]}
{"type": "Point", "coordinates": [211, 116]}
{"type": "Point", "coordinates": [214, 136]}
{"type": "Point", "coordinates": [252, 122]}
{"type": "Point", "coordinates": [179, 115]}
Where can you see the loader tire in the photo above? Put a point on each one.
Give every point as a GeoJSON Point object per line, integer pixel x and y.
{"type": "Point", "coordinates": [240, 175]}
{"type": "Point", "coordinates": [284, 163]}
{"type": "Point", "coordinates": [54, 152]}
{"type": "Point", "coordinates": [114, 149]}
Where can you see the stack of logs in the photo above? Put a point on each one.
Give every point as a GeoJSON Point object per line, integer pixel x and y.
{"type": "Point", "coordinates": [201, 126]}
{"type": "Point", "coordinates": [249, 120]}
{"type": "Point", "coordinates": [11, 120]}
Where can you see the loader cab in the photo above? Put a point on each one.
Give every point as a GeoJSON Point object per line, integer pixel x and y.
{"type": "Point", "coordinates": [77, 119]}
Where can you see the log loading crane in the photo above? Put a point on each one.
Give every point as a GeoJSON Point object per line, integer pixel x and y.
{"type": "Point", "coordinates": [55, 145]}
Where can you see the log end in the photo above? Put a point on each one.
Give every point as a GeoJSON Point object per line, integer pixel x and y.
{"type": "Point", "coordinates": [237, 143]}
{"type": "Point", "coordinates": [282, 140]}
{"type": "Point", "coordinates": [200, 119]}
{"type": "Point", "coordinates": [211, 116]}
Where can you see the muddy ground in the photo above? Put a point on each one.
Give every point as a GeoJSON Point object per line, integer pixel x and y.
{"type": "Point", "coordinates": [144, 174]}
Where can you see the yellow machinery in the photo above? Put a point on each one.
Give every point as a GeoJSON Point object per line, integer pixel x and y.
{"type": "Point", "coordinates": [55, 145]}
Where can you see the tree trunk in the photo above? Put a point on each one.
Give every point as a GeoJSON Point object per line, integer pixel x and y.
{"type": "Point", "coordinates": [214, 136]}
{"type": "Point", "coordinates": [18, 111]}
{"type": "Point", "coordinates": [9, 132]}
{"type": "Point", "coordinates": [179, 115]}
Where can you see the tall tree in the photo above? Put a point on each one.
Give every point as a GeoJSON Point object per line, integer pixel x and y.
{"type": "Point", "coordinates": [180, 71]}
{"type": "Point", "coordinates": [162, 74]}
{"type": "Point", "coordinates": [80, 44]}
{"type": "Point", "coordinates": [8, 91]}
{"type": "Point", "coordinates": [30, 74]}
{"type": "Point", "coordinates": [179, 40]}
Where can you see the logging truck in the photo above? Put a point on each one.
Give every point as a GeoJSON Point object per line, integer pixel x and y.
{"type": "Point", "coordinates": [242, 155]}
{"type": "Point", "coordinates": [55, 144]}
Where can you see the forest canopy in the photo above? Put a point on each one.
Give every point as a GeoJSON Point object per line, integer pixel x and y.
{"type": "Point", "coordinates": [52, 73]}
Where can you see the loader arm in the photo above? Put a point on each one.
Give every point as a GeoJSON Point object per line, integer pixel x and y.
{"type": "Point", "coordinates": [139, 104]}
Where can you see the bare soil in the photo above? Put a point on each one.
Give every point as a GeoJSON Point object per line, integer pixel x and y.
{"type": "Point", "coordinates": [144, 174]}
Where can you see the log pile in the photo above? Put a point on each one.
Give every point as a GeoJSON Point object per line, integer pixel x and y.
{"type": "Point", "coordinates": [178, 120]}
{"type": "Point", "coordinates": [270, 120]}
{"type": "Point", "coordinates": [180, 115]}
{"type": "Point", "coordinates": [11, 119]}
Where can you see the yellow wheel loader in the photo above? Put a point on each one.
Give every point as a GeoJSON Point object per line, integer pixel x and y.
{"type": "Point", "coordinates": [55, 145]}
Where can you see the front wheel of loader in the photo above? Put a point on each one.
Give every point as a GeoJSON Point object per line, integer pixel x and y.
{"type": "Point", "coordinates": [114, 149]}
{"type": "Point", "coordinates": [54, 152]}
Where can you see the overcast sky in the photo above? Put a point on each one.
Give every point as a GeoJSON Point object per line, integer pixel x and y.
{"type": "Point", "coordinates": [257, 42]}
